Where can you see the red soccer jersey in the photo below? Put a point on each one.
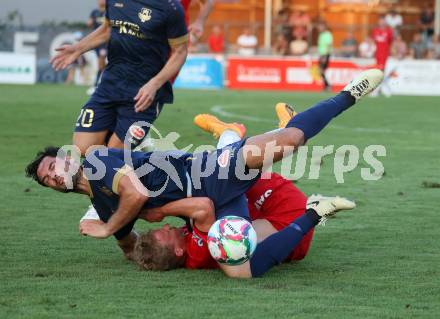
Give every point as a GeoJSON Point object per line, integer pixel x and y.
{"type": "Point", "coordinates": [185, 5]}
{"type": "Point", "coordinates": [383, 37]}
{"type": "Point", "coordinates": [272, 198]}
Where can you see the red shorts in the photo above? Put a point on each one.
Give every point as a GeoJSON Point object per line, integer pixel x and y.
{"type": "Point", "coordinates": [280, 202]}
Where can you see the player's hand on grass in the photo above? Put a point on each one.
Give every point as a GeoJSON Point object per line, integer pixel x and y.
{"type": "Point", "coordinates": [84, 221]}
{"type": "Point", "coordinates": [67, 54]}
{"type": "Point", "coordinates": [94, 228]}
{"type": "Point", "coordinates": [145, 96]}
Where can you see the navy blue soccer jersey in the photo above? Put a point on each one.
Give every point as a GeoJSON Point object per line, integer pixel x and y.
{"type": "Point", "coordinates": [170, 176]}
{"type": "Point", "coordinates": [98, 17]}
{"type": "Point", "coordinates": [142, 34]}
{"type": "Point", "coordinates": [105, 167]}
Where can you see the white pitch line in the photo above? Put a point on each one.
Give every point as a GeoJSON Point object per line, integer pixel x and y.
{"type": "Point", "coordinates": [220, 111]}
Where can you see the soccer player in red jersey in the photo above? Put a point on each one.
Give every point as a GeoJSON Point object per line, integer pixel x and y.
{"type": "Point", "coordinates": [274, 203]}
{"type": "Point", "coordinates": [383, 38]}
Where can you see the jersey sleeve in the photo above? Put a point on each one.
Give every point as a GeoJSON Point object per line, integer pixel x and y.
{"type": "Point", "coordinates": [177, 32]}
{"type": "Point", "coordinates": [106, 169]}
{"type": "Point", "coordinates": [115, 170]}
{"type": "Point", "coordinates": [198, 256]}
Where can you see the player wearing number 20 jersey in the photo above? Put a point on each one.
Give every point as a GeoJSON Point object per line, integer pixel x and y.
{"type": "Point", "coordinates": [142, 36]}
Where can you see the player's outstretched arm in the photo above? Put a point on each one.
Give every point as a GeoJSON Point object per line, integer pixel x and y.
{"type": "Point", "coordinates": [146, 94]}
{"type": "Point", "coordinates": [200, 209]}
{"type": "Point", "coordinates": [132, 197]}
{"type": "Point", "coordinates": [197, 27]}
{"type": "Point", "coordinates": [67, 54]}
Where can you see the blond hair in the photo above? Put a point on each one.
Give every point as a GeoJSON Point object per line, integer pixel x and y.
{"type": "Point", "coordinates": [151, 255]}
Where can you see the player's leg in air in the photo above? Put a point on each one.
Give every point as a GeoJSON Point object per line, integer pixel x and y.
{"type": "Point", "coordinates": [273, 201]}
{"type": "Point", "coordinates": [309, 123]}
{"type": "Point", "coordinates": [283, 206]}
{"type": "Point", "coordinates": [281, 143]}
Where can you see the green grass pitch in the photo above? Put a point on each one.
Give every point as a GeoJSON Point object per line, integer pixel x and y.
{"type": "Point", "coordinates": [381, 260]}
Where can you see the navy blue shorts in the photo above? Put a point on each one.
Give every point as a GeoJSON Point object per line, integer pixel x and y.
{"type": "Point", "coordinates": [227, 179]}
{"type": "Point", "coordinates": [114, 117]}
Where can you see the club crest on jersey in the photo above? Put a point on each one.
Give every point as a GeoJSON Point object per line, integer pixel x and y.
{"type": "Point", "coordinates": [145, 15]}
{"type": "Point", "coordinates": [223, 159]}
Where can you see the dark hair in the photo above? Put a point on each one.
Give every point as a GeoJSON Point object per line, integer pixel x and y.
{"type": "Point", "coordinates": [149, 254]}
{"type": "Point", "coordinates": [31, 169]}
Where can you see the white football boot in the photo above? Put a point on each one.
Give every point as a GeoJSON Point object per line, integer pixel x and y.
{"type": "Point", "coordinates": [326, 207]}
{"type": "Point", "coordinates": [364, 83]}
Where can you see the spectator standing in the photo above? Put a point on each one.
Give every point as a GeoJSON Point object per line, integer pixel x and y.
{"type": "Point", "coordinates": [349, 46]}
{"type": "Point", "coordinates": [298, 47]}
{"type": "Point", "coordinates": [78, 64]}
{"type": "Point", "coordinates": [417, 48]}
{"type": "Point", "coordinates": [383, 38]}
{"type": "Point", "coordinates": [367, 48]}
{"type": "Point", "coordinates": [427, 17]}
{"type": "Point", "coordinates": [325, 48]}
{"type": "Point", "coordinates": [281, 22]}
{"type": "Point", "coordinates": [281, 46]}
{"type": "Point", "coordinates": [394, 20]}
{"type": "Point", "coordinates": [300, 23]}
{"type": "Point", "coordinates": [399, 49]}
{"type": "Point", "coordinates": [216, 41]}
{"type": "Point", "coordinates": [434, 48]}
{"type": "Point", "coordinates": [247, 43]}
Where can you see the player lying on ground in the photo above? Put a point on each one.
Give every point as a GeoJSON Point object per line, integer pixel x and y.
{"type": "Point", "coordinates": [121, 191]}
{"type": "Point", "coordinates": [274, 203]}
{"type": "Point", "coordinates": [275, 187]}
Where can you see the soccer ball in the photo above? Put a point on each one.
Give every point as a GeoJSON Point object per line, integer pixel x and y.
{"type": "Point", "coordinates": [232, 240]}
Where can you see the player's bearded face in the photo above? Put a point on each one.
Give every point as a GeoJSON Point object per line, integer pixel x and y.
{"type": "Point", "coordinates": [69, 170]}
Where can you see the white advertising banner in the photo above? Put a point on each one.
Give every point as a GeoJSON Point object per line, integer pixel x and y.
{"type": "Point", "coordinates": [412, 77]}
{"type": "Point", "coordinates": [16, 68]}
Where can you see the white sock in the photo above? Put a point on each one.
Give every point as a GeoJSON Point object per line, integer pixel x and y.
{"type": "Point", "coordinates": [91, 214]}
{"type": "Point", "coordinates": [228, 137]}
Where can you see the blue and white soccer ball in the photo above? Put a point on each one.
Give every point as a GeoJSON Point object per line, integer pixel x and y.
{"type": "Point", "coordinates": [232, 240]}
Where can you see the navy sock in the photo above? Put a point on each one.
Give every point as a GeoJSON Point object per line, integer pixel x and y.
{"type": "Point", "coordinates": [277, 247]}
{"type": "Point", "coordinates": [313, 120]}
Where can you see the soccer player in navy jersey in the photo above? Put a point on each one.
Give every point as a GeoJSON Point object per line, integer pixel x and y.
{"type": "Point", "coordinates": [122, 185]}
{"type": "Point", "coordinates": [147, 46]}
{"type": "Point", "coordinates": [96, 19]}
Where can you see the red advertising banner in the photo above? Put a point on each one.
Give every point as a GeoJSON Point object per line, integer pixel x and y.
{"type": "Point", "coordinates": [299, 74]}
